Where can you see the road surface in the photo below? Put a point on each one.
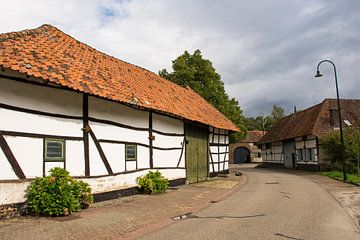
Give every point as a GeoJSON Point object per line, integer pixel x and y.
{"type": "Point", "coordinates": [273, 204]}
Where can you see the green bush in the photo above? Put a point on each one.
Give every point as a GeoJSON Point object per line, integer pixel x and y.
{"type": "Point", "coordinates": [153, 182]}
{"type": "Point", "coordinates": [57, 194]}
{"type": "Point", "coordinates": [331, 146]}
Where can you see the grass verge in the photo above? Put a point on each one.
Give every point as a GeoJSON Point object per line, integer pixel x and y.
{"type": "Point", "coordinates": [351, 178]}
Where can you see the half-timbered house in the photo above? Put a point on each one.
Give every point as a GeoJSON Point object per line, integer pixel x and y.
{"type": "Point", "coordinates": [293, 142]}
{"type": "Point", "coordinates": [65, 104]}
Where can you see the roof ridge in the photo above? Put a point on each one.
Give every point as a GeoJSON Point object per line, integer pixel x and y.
{"type": "Point", "coordinates": [15, 34]}
{"type": "Point", "coordinates": [83, 68]}
{"type": "Point", "coordinates": [46, 26]}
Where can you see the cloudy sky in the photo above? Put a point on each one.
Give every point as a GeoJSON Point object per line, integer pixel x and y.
{"type": "Point", "coordinates": [266, 50]}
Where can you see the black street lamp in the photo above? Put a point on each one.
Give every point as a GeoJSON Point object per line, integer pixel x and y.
{"type": "Point", "coordinates": [318, 74]}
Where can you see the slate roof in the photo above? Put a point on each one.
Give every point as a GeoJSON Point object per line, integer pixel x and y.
{"type": "Point", "coordinates": [253, 136]}
{"type": "Point", "coordinates": [316, 120]}
{"type": "Point", "coordinates": [49, 54]}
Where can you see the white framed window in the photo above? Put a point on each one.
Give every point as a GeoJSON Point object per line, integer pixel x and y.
{"type": "Point", "coordinates": [54, 150]}
{"type": "Point", "coordinates": [130, 152]}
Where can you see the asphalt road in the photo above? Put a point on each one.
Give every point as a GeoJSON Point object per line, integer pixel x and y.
{"type": "Point", "coordinates": [273, 204]}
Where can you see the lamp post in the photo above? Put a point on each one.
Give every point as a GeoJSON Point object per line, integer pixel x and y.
{"type": "Point", "coordinates": [318, 74]}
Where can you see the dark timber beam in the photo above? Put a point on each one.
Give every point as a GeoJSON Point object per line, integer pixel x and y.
{"type": "Point", "coordinates": [11, 158]}
{"type": "Point", "coordinates": [151, 138]}
{"type": "Point", "coordinates": [101, 152]}
{"type": "Point", "coordinates": [86, 133]}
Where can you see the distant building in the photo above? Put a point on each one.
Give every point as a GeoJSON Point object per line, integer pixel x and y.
{"type": "Point", "coordinates": [247, 151]}
{"type": "Point", "coordinates": [293, 142]}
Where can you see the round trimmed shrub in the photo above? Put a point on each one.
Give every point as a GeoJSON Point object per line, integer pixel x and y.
{"type": "Point", "coordinates": [57, 194]}
{"type": "Point", "coordinates": [153, 182]}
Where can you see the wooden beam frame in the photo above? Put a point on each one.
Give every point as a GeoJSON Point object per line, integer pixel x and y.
{"type": "Point", "coordinates": [11, 158]}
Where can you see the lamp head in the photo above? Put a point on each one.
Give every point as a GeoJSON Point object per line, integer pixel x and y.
{"type": "Point", "coordinates": [318, 74]}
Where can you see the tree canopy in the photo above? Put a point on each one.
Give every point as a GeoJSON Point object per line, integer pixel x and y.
{"type": "Point", "coordinates": [331, 146]}
{"type": "Point", "coordinates": [265, 122]}
{"type": "Point", "coordinates": [199, 74]}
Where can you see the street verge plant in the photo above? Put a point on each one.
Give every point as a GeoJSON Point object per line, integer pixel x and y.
{"type": "Point", "coordinates": [57, 194]}
{"type": "Point", "coordinates": [153, 182]}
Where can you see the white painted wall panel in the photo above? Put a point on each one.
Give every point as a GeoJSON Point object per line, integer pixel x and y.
{"type": "Point", "coordinates": [130, 165]}
{"type": "Point", "coordinates": [168, 158]}
{"type": "Point", "coordinates": [102, 109]}
{"type": "Point", "coordinates": [19, 122]}
{"type": "Point", "coordinates": [50, 165]}
{"type": "Point", "coordinates": [222, 139]}
{"type": "Point", "coordinates": [310, 143]}
{"type": "Point", "coordinates": [6, 171]}
{"type": "Point", "coordinates": [167, 141]}
{"type": "Point", "coordinates": [223, 149]}
{"type": "Point", "coordinates": [13, 192]}
{"type": "Point", "coordinates": [299, 144]}
{"type": "Point", "coordinates": [123, 181]}
{"type": "Point", "coordinates": [213, 149]}
{"type": "Point", "coordinates": [143, 158]}
{"type": "Point", "coordinates": [29, 154]}
{"type": "Point", "coordinates": [167, 124]}
{"type": "Point", "coordinates": [97, 166]}
{"type": "Point", "coordinates": [182, 161]}
{"type": "Point", "coordinates": [75, 160]}
{"type": "Point", "coordinates": [109, 132]}
{"type": "Point", "coordinates": [115, 154]}
{"type": "Point", "coordinates": [40, 98]}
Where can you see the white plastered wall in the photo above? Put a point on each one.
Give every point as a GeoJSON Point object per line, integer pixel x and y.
{"type": "Point", "coordinates": [168, 158]}
{"type": "Point", "coordinates": [309, 142]}
{"type": "Point", "coordinates": [29, 150]}
{"type": "Point", "coordinates": [218, 153]}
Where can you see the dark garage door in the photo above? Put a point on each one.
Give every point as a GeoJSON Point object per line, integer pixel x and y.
{"type": "Point", "coordinates": [241, 155]}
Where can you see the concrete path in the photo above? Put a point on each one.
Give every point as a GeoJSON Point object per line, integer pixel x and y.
{"type": "Point", "coordinates": [274, 204]}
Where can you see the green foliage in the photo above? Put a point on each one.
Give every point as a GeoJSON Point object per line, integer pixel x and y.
{"type": "Point", "coordinates": [338, 175]}
{"type": "Point", "coordinates": [277, 112]}
{"type": "Point", "coordinates": [201, 76]}
{"type": "Point", "coordinates": [331, 146]}
{"type": "Point", "coordinates": [264, 123]}
{"type": "Point", "coordinates": [153, 182]}
{"type": "Point", "coordinates": [57, 194]}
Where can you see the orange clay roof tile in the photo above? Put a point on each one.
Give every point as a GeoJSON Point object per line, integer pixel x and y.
{"type": "Point", "coordinates": [48, 53]}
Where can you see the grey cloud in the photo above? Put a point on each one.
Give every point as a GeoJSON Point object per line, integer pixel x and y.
{"type": "Point", "coordinates": [266, 51]}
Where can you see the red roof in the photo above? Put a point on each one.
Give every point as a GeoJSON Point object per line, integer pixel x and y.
{"type": "Point", "coordinates": [316, 120]}
{"type": "Point", "coordinates": [49, 54]}
{"type": "Point", "coordinates": [253, 136]}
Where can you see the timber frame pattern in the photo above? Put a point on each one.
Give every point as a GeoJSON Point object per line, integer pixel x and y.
{"type": "Point", "coordinates": [86, 132]}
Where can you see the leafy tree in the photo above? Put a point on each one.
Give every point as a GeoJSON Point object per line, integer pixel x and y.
{"type": "Point", "coordinates": [331, 146]}
{"type": "Point", "coordinates": [264, 123]}
{"type": "Point", "coordinates": [198, 73]}
{"type": "Point", "coordinates": [277, 113]}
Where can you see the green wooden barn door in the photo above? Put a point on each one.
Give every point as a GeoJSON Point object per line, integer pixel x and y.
{"type": "Point", "coordinates": [196, 153]}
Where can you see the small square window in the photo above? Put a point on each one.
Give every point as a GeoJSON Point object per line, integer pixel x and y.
{"type": "Point", "coordinates": [130, 152]}
{"type": "Point", "coordinates": [54, 150]}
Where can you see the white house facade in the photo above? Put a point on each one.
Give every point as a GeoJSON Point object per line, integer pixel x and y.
{"type": "Point", "coordinates": [294, 141]}
{"type": "Point", "coordinates": [88, 129]}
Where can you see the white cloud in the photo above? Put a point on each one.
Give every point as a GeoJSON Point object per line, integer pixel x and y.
{"type": "Point", "coordinates": [265, 51]}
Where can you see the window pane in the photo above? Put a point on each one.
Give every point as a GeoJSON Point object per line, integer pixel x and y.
{"type": "Point", "coordinates": [54, 149]}
{"type": "Point", "coordinates": [130, 152]}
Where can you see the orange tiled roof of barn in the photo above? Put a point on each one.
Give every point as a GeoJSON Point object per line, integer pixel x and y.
{"type": "Point", "coordinates": [48, 53]}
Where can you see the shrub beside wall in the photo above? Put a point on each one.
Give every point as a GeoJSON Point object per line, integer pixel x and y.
{"type": "Point", "coordinates": [153, 182]}
{"type": "Point", "coordinates": [57, 194]}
